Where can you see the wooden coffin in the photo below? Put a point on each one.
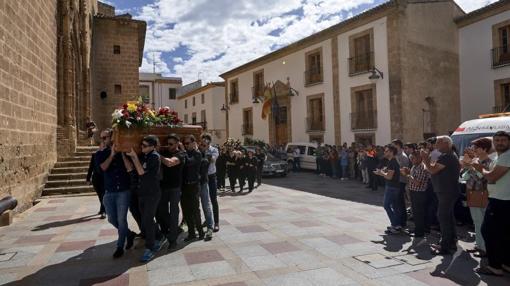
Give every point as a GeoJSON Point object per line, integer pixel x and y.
{"type": "Point", "coordinates": [127, 138]}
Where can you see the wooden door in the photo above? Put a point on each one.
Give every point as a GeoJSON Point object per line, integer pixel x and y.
{"type": "Point", "coordinates": [281, 126]}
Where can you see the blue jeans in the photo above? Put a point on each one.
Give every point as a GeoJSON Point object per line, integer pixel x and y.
{"type": "Point", "coordinates": [116, 205]}
{"type": "Point", "coordinates": [477, 215]}
{"type": "Point", "coordinates": [206, 205]}
{"type": "Point", "coordinates": [392, 205]}
{"type": "Point", "coordinates": [213, 195]}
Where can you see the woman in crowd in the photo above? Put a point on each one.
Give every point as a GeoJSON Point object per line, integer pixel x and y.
{"type": "Point", "coordinates": [232, 169]}
{"type": "Point", "coordinates": [476, 187]}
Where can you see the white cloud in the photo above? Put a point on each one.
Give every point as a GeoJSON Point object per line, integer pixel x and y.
{"type": "Point", "coordinates": [224, 34]}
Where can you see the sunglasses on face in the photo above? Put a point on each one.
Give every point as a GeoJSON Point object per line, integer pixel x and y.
{"type": "Point", "coordinates": [104, 137]}
{"type": "Point", "coordinates": [145, 145]}
{"type": "Point", "coordinates": [171, 144]}
{"type": "Point", "coordinates": [187, 143]}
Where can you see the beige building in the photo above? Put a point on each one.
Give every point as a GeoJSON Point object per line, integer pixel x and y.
{"type": "Point", "coordinates": [390, 72]}
{"type": "Point", "coordinates": [157, 90]}
{"type": "Point", "coordinates": [50, 51]}
{"type": "Point", "coordinates": [205, 106]}
{"type": "Point", "coordinates": [484, 55]}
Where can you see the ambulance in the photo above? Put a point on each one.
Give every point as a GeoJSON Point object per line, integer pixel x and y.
{"type": "Point", "coordinates": [485, 126]}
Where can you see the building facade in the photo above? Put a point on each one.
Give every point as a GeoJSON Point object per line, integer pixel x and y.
{"type": "Point", "coordinates": [484, 53]}
{"type": "Point", "coordinates": [390, 72]}
{"type": "Point", "coordinates": [47, 90]}
{"type": "Point", "coordinates": [203, 106]}
{"type": "Point", "coordinates": [157, 90]}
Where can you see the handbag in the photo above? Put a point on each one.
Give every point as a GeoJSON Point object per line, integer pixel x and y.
{"type": "Point", "coordinates": [477, 199]}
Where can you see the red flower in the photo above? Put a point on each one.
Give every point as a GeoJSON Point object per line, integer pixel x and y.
{"type": "Point", "coordinates": [125, 106]}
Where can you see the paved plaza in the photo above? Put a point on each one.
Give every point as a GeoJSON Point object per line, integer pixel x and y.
{"type": "Point", "coordinates": [275, 236]}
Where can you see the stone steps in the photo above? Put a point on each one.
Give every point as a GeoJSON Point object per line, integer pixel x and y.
{"type": "Point", "coordinates": [69, 173]}
{"type": "Point", "coordinates": [67, 190]}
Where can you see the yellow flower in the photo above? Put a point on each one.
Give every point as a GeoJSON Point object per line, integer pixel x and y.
{"type": "Point", "coordinates": [131, 107]}
{"type": "Point", "coordinates": [151, 113]}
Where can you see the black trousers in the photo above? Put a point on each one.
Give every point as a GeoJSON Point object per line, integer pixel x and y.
{"type": "Point", "coordinates": [372, 180]}
{"type": "Point", "coordinates": [220, 176]}
{"type": "Point", "coordinates": [213, 195]}
{"type": "Point", "coordinates": [250, 175]}
{"type": "Point", "coordinates": [190, 203]}
{"type": "Point", "coordinates": [242, 179]}
{"type": "Point", "coordinates": [496, 232]}
{"type": "Point", "coordinates": [419, 206]}
{"type": "Point", "coordinates": [259, 174]}
{"type": "Point", "coordinates": [446, 216]}
{"type": "Point", "coordinates": [148, 206]}
{"type": "Point", "coordinates": [98, 184]}
{"type": "Point", "coordinates": [134, 208]}
{"type": "Point", "coordinates": [167, 214]}
{"type": "Point", "coordinates": [402, 202]}
{"type": "Point", "coordinates": [232, 178]}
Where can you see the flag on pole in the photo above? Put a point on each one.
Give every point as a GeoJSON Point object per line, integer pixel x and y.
{"type": "Point", "coordinates": [266, 106]}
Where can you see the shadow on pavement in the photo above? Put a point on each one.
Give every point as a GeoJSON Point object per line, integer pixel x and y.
{"type": "Point", "coordinates": [350, 190]}
{"type": "Point", "coordinates": [93, 266]}
{"type": "Point", "coordinates": [65, 222]}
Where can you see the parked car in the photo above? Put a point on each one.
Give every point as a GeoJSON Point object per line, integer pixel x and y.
{"type": "Point", "coordinates": [307, 155]}
{"type": "Point", "coordinates": [273, 166]}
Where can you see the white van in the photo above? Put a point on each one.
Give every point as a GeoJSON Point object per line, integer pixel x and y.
{"type": "Point", "coordinates": [307, 156]}
{"type": "Point", "coordinates": [486, 126]}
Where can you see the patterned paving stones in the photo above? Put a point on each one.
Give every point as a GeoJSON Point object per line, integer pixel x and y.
{"type": "Point", "coordinates": [281, 234]}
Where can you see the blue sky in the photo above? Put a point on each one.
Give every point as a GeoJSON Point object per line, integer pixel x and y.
{"type": "Point", "coordinates": [203, 38]}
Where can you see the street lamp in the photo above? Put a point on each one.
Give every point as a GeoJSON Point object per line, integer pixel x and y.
{"type": "Point", "coordinates": [224, 107]}
{"type": "Point", "coordinates": [376, 74]}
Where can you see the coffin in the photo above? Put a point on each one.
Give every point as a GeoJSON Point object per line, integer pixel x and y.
{"type": "Point", "coordinates": [127, 138]}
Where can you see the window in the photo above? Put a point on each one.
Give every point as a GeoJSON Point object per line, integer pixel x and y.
{"type": "Point", "coordinates": [202, 98]}
{"type": "Point", "coordinates": [248, 121]}
{"type": "Point", "coordinates": [202, 116]}
{"type": "Point", "coordinates": [234, 91]}
{"type": "Point", "coordinates": [258, 83]}
{"type": "Point", "coordinates": [144, 93]}
{"type": "Point", "coordinates": [194, 118]}
{"type": "Point", "coordinates": [502, 95]}
{"type": "Point", "coordinates": [363, 106]}
{"type": "Point", "coordinates": [313, 73]}
{"type": "Point", "coordinates": [118, 89]}
{"type": "Point", "coordinates": [501, 44]}
{"type": "Point", "coordinates": [194, 103]}
{"type": "Point", "coordinates": [315, 109]}
{"type": "Point", "coordinates": [185, 103]}
{"type": "Point", "coordinates": [361, 52]}
{"type": "Point", "coordinates": [311, 151]}
{"type": "Point", "coordinates": [116, 49]}
{"type": "Point", "coordinates": [172, 93]}
{"type": "Point", "coordinates": [186, 118]}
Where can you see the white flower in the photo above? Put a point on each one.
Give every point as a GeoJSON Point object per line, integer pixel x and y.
{"type": "Point", "coordinates": [117, 114]}
{"type": "Point", "coordinates": [128, 124]}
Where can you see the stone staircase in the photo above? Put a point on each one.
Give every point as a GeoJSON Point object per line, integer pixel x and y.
{"type": "Point", "coordinates": [69, 173]}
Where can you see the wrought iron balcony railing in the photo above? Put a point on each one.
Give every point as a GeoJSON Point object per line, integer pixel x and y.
{"type": "Point", "coordinates": [247, 129]}
{"type": "Point", "coordinates": [361, 63]}
{"type": "Point", "coordinates": [366, 120]}
{"type": "Point", "coordinates": [314, 125]}
{"type": "Point", "coordinates": [500, 56]}
{"type": "Point", "coordinates": [313, 75]}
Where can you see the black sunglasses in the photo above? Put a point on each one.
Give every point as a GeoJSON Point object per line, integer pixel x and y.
{"type": "Point", "coordinates": [104, 137]}
{"type": "Point", "coordinates": [187, 143]}
{"type": "Point", "coordinates": [146, 145]}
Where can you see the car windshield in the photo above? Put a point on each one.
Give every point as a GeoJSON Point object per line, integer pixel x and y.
{"type": "Point", "coordinates": [463, 141]}
{"type": "Point", "coordinates": [271, 157]}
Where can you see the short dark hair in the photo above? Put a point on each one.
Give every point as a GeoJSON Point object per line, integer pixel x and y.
{"type": "Point", "coordinates": [431, 140]}
{"type": "Point", "coordinates": [502, 134]}
{"type": "Point", "coordinates": [153, 140]}
{"type": "Point", "coordinates": [484, 143]}
{"type": "Point", "coordinates": [411, 145]}
{"type": "Point", "coordinates": [392, 148]}
{"type": "Point", "coordinates": [398, 142]}
{"type": "Point", "coordinates": [190, 137]}
{"type": "Point", "coordinates": [206, 136]}
{"type": "Point", "coordinates": [173, 136]}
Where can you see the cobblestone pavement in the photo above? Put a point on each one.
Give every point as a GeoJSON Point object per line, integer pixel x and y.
{"type": "Point", "coordinates": [273, 236]}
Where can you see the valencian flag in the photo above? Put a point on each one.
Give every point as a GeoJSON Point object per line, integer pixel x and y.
{"type": "Point", "coordinates": [268, 99]}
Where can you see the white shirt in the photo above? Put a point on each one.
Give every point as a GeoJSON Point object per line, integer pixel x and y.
{"type": "Point", "coordinates": [214, 155]}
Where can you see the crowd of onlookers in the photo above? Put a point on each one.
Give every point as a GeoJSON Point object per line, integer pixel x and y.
{"type": "Point", "coordinates": [428, 182]}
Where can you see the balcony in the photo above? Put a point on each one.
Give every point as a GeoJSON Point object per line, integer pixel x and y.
{"type": "Point", "coordinates": [233, 98]}
{"type": "Point", "coordinates": [257, 91]}
{"type": "Point", "coordinates": [314, 125]}
{"type": "Point", "coordinates": [313, 76]}
{"type": "Point", "coordinates": [366, 120]}
{"type": "Point", "coordinates": [500, 109]}
{"type": "Point", "coordinates": [500, 56]}
{"type": "Point", "coordinates": [203, 124]}
{"type": "Point", "coordinates": [247, 129]}
{"type": "Point", "coordinates": [361, 63]}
